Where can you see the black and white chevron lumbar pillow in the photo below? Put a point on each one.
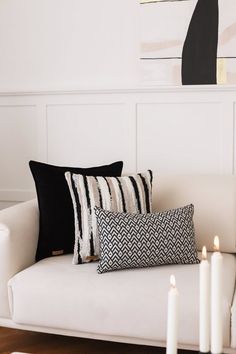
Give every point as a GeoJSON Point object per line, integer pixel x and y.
{"type": "Point", "coordinates": [144, 240]}
{"type": "Point", "coordinates": [130, 194]}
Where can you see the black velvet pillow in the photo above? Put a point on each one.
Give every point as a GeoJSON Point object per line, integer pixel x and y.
{"type": "Point", "coordinates": [56, 216]}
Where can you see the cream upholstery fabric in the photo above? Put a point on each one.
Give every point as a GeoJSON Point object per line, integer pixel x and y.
{"type": "Point", "coordinates": [129, 303]}
{"type": "Point", "coordinates": [124, 305]}
{"type": "Point", "coordinates": [214, 199]}
{"type": "Point", "coordinates": [18, 242]}
{"type": "Point", "coordinates": [233, 323]}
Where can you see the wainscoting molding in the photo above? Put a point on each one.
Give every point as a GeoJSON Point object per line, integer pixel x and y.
{"type": "Point", "coordinates": [189, 129]}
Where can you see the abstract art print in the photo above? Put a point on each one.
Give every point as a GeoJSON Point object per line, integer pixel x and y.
{"type": "Point", "coordinates": [188, 42]}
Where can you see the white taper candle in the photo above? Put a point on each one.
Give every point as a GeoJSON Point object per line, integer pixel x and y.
{"type": "Point", "coordinates": [172, 320]}
{"type": "Point", "coordinates": [216, 300]}
{"type": "Point", "coordinates": [204, 303]}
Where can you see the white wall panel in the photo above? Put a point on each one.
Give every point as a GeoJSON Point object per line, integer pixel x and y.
{"type": "Point", "coordinates": [184, 138]}
{"type": "Point", "coordinates": [18, 144]}
{"type": "Point", "coordinates": [91, 134]}
{"type": "Point", "coordinates": [171, 130]}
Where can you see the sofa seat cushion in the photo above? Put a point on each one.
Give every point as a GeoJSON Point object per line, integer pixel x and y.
{"type": "Point", "coordinates": [129, 303]}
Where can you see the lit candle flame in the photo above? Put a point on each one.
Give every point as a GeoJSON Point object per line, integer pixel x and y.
{"type": "Point", "coordinates": [172, 281]}
{"type": "Point", "coordinates": [216, 243]}
{"type": "Point", "coordinates": [204, 253]}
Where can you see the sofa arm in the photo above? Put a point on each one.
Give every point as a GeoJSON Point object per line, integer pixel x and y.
{"type": "Point", "coordinates": [233, 319]}
{"type": "Point", "coordinates": [19, 226]}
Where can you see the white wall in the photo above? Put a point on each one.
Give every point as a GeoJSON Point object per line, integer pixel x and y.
{"type": "Point", "coordinates": [168, 130]}
{"type": "Point", "coordinates": [56, 45]}
{"type": "Point", "coordinates": [77, 44]}
{"type": "Point", "coordinates": [60, 44]}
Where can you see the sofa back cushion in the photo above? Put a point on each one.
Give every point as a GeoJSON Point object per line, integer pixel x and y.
{"type": "Point", "coordinates": [214, 200]}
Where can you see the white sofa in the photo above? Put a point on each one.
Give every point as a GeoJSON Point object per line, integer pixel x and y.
{"type": "Point", "coordinates": [127, 306]}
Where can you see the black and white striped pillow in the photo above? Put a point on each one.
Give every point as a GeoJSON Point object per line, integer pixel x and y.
{"type": "Point", "coordinates": [131, 194]}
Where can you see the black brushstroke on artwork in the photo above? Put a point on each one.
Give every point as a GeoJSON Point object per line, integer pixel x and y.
{"type": "Point", "coordinates": [200, 46]}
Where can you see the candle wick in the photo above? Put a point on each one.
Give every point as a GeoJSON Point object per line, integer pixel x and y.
{"type": "Point", "coordinates": [216, 248]}
{"type": "Point", "coordinates": [172, 281]}
{"type": "Point", "coordinates": [204, 253]}
{"type": "Point", "coordinates": [216, 244]}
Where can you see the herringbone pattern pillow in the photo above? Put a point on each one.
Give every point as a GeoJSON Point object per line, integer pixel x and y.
{"type": "Point", "coordinates": [143, 240]}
